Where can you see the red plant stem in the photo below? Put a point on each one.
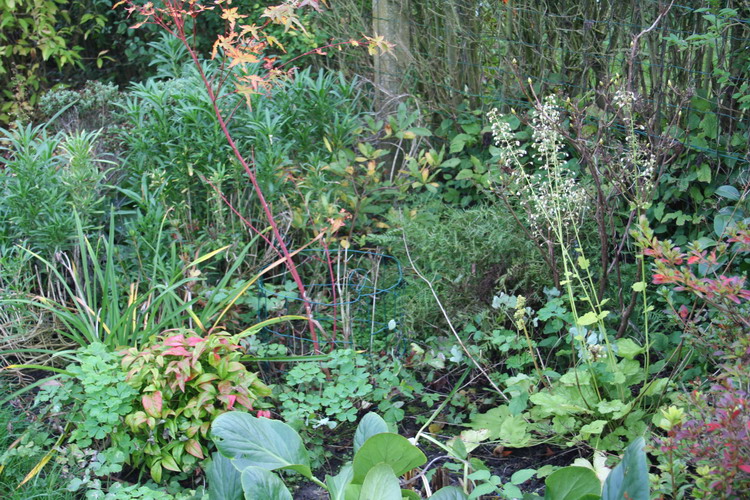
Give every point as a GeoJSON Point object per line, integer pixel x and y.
{"type": "Point", "coordinates": [333, 291]}
{"type": "Point", "coordinates": [180, 33]}
{"type": "Point", "coordinates": [238, 214]}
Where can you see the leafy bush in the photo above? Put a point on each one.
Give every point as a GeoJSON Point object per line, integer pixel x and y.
{"type": "Point", "coordinates": [33, 34]}
{"type": "Point", "coordinates": [468, 254]}
{"type": "Point", "coordinates": [91, 107]}
{"type": "Point", "coordinates": [255, 447]}
{"type": "Point", "coordinates": [45, 180]}
{"type": "Point", "coordinates": [185, 381]}
{"type": "Point", "coordinates": [355, 382]}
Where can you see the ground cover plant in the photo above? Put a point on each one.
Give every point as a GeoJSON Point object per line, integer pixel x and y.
{"type": "Point", "coordinates": [197, 259]}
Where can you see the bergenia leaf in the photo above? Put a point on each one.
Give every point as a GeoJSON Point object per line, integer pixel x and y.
{"type": "Point", "coordinates": [262, 442]}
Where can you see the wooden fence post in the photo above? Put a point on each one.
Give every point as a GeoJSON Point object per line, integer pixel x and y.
{"type": "Point", "coordinates": [391, 19]}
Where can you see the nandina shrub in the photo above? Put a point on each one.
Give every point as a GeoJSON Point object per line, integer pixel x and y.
{"type": "Point", "coordinates": [185, 382]}
{"type": "Point", "coordinates": [709, 297]}
{"type": "Point", "coordinates": [714, 436]}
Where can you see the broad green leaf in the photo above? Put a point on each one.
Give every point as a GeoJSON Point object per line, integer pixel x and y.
{"type": "Point", "coordinates": [630, 478]}
{"type": "Point", "coordinates": [223, 479]}
{"type": "Point", "coordinates": [370, 425]}
{"type": "Point", "coordinates": [628, 349]}
{"type": "Point", "coordinates": [639, 287]}
{"type": "Point", "coordinates": [410, 495]}
{"type": "Point", "coordinates": [588, 319]}
{"type": "Point", "coordinates": [337, 484]}
{"type": "Point", "coordinates": [655, 387]}
{"type": "Point", "coordinates": [583, 262]}
{"type": "Point", "coordinates": [459, 142]}
{"type": "Point", "coordinates": [572, 483]}
{"type": "Point", "coordinates": [522, 476]}
{"type": "Point", "coordinates": [261, 442]}
{"type": "Point", "coordinates": [464, 174]}
{"type": "Point", "coordinates": [728, 192]}
{"type": "Point", "coordinates": [380, 484]}
{"type": "Point", "coordinates": [449, 493]}
{"type": "Point", "coordinates": [720, 224]}
{"type": "Point", "coordinates": [262, 484]}
{"type": "Point", "coordinates": [613, 409]}
{"type": "Point", "coordinates": [388, 448]}
{"type": "Point", "coordinates": [704, 173]}
{"type": "Point", "coordinates": [595, 427]}
{"type": "Point", "coordinates": [421, 131]}
{"type": "Point", "coordinates": [556, 404]}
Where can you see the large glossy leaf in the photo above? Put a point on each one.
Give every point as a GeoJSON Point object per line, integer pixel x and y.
{"type": "Point", "coordinates": [337, 484]}
{"type": "Point", "coordinates": [630, 478]}
{"type": "Point", "coordinates": [223, 479]}
{"type": "Point", "coordinates": [572, 483]}
{"type": "Point", "coordinates": [449, 493]}
{"type": "Point", "coordinates": [388, 448]}
{"type": "Point", "coordinates": [262, 484]}
{"type": "Point", "coordinates": [260, 442]}
{"type": "Point", "coordinates": [380, 484]}
{"type": "Point", "coordinates": [370, 425]}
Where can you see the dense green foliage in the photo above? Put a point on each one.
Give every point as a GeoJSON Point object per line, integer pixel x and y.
{"type": "Point", "coordinates": [194, 257]}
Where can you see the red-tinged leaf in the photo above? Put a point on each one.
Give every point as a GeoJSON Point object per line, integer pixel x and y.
{"type": "Point", "coordinates": [205, 377]}
{"type": "Point", "coordinates": [177, 351]}
{"type": "Point", "coordinates": [244, 401]}
{"type": "Point", "coordinates": [192, 431]}
{"type": "Point", "coordinates": [192, 447]}
{"type": "Point", "coordinates": [208, 388]}
{"type": "Point", "coordinates": [225, 387]}
{"type": "Point", "coordinates": [745, 468]}
{"type": "Point", "coordinates": [229, 400]}
{"type": "Point", "coordinates": [204, 428]}
{"type": "Point", "coordinates": [168, 462]}
{"type": "Point", "coordinates": [194, 341]}
{"type": "Point", "coordinates": [174, 341]}
{"type": "Point", "coordinates": [235, 366]}
{"type": "Point", "coordinates": [152, 404]}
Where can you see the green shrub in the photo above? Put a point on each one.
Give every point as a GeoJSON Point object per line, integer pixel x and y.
{"type": "Point", "coordinates": [45, 179]}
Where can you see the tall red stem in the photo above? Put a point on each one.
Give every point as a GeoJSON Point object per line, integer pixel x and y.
{"type": "Point", "coordinates": [180, 32]}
